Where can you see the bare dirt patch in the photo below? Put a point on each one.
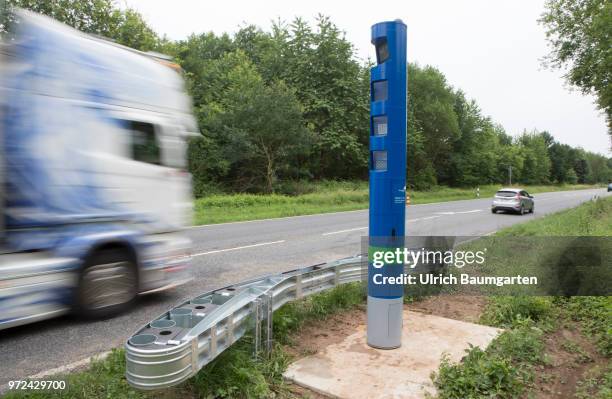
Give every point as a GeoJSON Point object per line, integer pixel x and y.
{"type": "Point", "coordinates": [332, 330]}
{"type": "Point", "coordinates": [335, 328]}
{"type": "Point", "coordinates": [570, 356]}
{"type": "Point", "coordinates": [464, 308]}
{"type": "Point", "coordinates": [320, 334]}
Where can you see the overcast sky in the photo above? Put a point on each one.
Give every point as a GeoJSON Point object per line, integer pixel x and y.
{"type": "Point", "coordinates": [489, 49]}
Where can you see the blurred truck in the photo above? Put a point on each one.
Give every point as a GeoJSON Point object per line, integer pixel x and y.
{"type": "Point", "coordinates": [93, 188]}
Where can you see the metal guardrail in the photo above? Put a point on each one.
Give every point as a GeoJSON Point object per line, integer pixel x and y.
{"type": "Point", "coordinates": [177, 344]}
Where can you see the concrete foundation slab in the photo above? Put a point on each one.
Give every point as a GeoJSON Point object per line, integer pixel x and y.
{"type": "Point", "coordinates": [352, 369]}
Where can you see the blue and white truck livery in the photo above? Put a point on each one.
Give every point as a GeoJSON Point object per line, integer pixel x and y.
{"type": "Point", "coordinates": [93, 188]}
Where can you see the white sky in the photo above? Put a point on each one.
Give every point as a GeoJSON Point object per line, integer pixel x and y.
{"type": "Point", "coordinates": [489, 49]}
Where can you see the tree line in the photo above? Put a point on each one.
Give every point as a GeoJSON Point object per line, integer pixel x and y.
{"type": "Point", "coordinates": [292, 103]}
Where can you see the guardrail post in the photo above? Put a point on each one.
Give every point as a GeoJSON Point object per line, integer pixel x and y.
{"type": "Point", "coordinates": [268, 309]}
{"type": "Point", "coordinates": [298, 287]}
{"type": "Point", "coordinates": [213, 341]}
{"type": "Point", "coordinates": [256, 306]}
{"type": "Point", "coordinates": [230, 329]}
{"type": "Point", "coordinates": [194, 355]}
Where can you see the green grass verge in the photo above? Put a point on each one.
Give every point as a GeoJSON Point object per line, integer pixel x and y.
{"type": "Point", "coordinates": [506, 369]}
{"type": "Point", "coordinates": [593, 218]}
{"type": "Point", "coordinates": [233, 374]}
{"type": "Point", "coordinates": [325, 197]}
{"type": "Point", "coordinates": [569, 253]}
{"type": "Point", "coordinates": [503, 370]}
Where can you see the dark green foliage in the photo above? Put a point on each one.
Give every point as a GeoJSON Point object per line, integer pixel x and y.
{"type": "Point", "coordinates": [506, 367]}
{"type": "Point", "coordinates": [205, 164]}
{"type": "Point", "coordinates": [236, 373]}
{"type": "Point", "coordinates": [580, 33]}
{"type": "Point", "coordinates": [506, 311]}
{"type": "Point", "coordinates": [480, 375]}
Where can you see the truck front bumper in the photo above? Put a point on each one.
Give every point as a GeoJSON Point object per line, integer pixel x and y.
{"type": "Point", "coordinates": [165, 263]}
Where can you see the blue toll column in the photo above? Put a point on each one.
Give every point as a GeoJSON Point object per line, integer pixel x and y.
{"type": "Point", "coordinates": [387, 181]}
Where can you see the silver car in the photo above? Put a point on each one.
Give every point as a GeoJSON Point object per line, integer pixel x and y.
{"type": "Point", "coordinates": [514, 200]}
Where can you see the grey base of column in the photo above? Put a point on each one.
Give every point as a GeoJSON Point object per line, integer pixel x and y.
{"type": "Point", "coordinates": [385, 318]}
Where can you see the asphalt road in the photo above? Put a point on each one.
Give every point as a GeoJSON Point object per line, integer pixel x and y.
{"type": "Point", "coordinates": [231, 252]}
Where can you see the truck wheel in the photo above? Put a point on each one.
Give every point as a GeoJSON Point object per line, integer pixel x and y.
{"type": "Point", "coordinates": [108, 284]}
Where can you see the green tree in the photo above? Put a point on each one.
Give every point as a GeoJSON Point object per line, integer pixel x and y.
{"type": "Point", "coordinates": [580, 34]}
{"type": "Point", "coordinates": [598, 168]}
{"type": "Point", "coordinates": [207, 165]}
{"type": "Point", "coordinates": [432, 101]}
{"type": "Point", "coordinates": [98, 17]}
{"type": "Point", "coordinates": [536, 164]}
{"type": "Point", "coordinates": [562, 160]}
{"type": "Point", "coordinates": [570, 176]}
{"type": "Point", "coordinates": [420, 173]}
{"type": "Point", "coordinates": [256, 128]}
{"type": "Point", "coordinates": [474, 156]}
{"type": "Point", "coordinates": [332, 87]}
{"type": "Point", "coordinates": [266, 126]}
{"type": "Point", "coordinates": [581, 166]}
{"type": "Point", "coordinates": [129, 28]}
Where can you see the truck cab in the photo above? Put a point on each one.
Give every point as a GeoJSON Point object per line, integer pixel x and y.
{"type": "Point", "coordinates": [94, 188]}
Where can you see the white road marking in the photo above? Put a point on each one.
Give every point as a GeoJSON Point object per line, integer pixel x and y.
{"type": "Point", "coordinates": [429, 217]}
{"type": "Point", "coordinates": [458, 212]}
{"type": "Point", "coordinates": [425, 218]}
{"type": "Point", "coordinates": [216, 251]}
{"type": "Point", "coordinates": [344, 231]}
{"type": "Point", "coordinates": [69, 367]}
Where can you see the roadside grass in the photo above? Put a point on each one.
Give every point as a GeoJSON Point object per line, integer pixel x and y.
{"type": "Point", "coordinates": [304, 198]}
{"type": "Point", "coordinates": [236, 373]}
{"type": "Point", "coordinates": [508, 367]}
{"type": "Point", "coordinates": [569, 252]}
{"type": "Point", "coordinates": [503, 370]}
{"type": "Point", "coordinates": [597, 384]}
{"type": "Point", "coordinates": [512, 363]}
{"type": "Point", "coordinates": [508, 311]}
{"type": "Point", "coordinates": [592, 218]}
{"type": "Point", "coordinates": [104, 379]}
{"type": "Point", "coordinates": [594, 313]}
